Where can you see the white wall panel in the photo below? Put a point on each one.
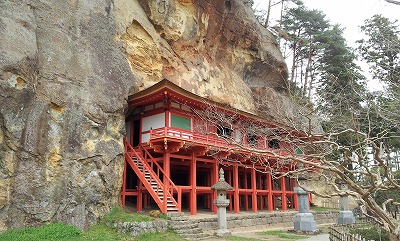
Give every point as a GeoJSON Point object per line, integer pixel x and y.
{"type": "Point", "coordinates": [152, 122]}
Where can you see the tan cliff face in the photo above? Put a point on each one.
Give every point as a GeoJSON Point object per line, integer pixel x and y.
{"type": "Point", "coordinates": [66, 69]}
{"type": "Point", "coordinates": [211, 48]}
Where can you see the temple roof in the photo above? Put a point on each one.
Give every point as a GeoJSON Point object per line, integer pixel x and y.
{"type": "Point", "coordinates": [165, 89]}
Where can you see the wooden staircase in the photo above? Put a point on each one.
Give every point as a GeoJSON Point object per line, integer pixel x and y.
{"type": "Point", "coordinates": [162, 193]}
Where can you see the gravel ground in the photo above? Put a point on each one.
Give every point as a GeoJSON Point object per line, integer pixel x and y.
{"type": "Point", "coordinates": [256, 234]}
{"type": "Point", "coordinates": [320, 237]}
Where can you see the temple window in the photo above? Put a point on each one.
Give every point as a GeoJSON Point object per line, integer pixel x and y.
{"type": "Point", "coordinates": [224, 131]}
{"type": "Point", "coordinates": [274, 143]}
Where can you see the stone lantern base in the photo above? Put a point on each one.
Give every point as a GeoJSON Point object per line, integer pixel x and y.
{"type": "Point", "coordinates": [346, 217]}
{"type": "Point", "coordinates": [222, 233]}
{"type": "Point", "coordinates": [305, 222]}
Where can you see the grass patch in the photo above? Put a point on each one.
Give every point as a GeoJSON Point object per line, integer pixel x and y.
{"type": "Point", "coordinates": [63, 232]}
{"type": "Point", "coordinates": [284, 234]}
{"type": "Point", "coordinates": [169, 235]}
{"type": "Point", "coordinates": [53, 231]}
{"type": "Point", "coordinates": [119, 214]}
{"type": "Point", "coordinates": [101, 232]}
{"type": "Point", "coordinates": [236, 238]}
{"type": "Point", "coordinates": [164, 216]}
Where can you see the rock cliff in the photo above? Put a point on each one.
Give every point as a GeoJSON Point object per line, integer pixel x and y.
{"type": "Point", "coordinates": [66, 69]}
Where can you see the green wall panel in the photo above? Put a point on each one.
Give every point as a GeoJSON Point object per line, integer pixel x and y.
{"type": "Point", "coordinates": [180, 122]}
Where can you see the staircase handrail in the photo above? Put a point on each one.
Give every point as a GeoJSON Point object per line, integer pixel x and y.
{"type": "Point", "coordinates": [159, 168]}
{"type": "Point", "coordinates": [152, 174]}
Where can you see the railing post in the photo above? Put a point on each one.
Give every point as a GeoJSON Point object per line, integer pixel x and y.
{"type": "Point", "coordinates": [165, 201]}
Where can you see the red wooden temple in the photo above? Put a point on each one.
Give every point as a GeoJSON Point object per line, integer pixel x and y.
{"type": "Point", "coordinates": [171, 162]}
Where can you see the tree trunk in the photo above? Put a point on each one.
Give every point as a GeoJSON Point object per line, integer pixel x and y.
{"type": "Point", "coordinates": [308, 69]}
{"type": "Point", "coordinates": [266, 23]}
{"type": "Point", "coordinates": [292, 78]}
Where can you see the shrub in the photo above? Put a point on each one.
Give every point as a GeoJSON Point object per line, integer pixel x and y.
{"type": "Point", "coordinates": [372, 233]}
{"type": "Point", "coordinates": [119, 214]}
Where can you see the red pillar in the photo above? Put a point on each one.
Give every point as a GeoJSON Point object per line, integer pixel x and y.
{"type": "Point", "coordinates": [167, 171]}
{"type": "Point", "coordinates": [193, 198]}
{"type": "Point", "coordinates": [230, 196]}
{"type": "Point", "coordinates": [254, 193]}
{"type": "Point", "coordinates": [269, 183]}
{"type": "Point", "coordinates": [236, 207]}
{"type": "Point", "coordinates": [139, 203]}
{"type": "Point", "coordinates": [215, 180]}
{"type": "Point", "coordinates": [246, 197]}
{"type": "Point", "coordinates": [260, 187]}
{"type": "Point", "coordinates": [283, 189]}
{"type": "Point", "coordinates": [296, 200]}
{"type": "Point", "coordinates": [124, 185]}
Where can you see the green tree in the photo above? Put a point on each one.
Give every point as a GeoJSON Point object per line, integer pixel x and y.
{"type": "Point", "coordinates": [304, 28]}
{"type": "Point", "coordinates": [341, 86]}
{"type": "Point", "coordinates": [381, 48]}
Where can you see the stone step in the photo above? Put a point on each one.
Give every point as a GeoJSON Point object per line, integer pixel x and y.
{"type": "Point", "coordinates": [195, 236]}
{"type": "Point", "coordinates": [179, 214]}
{"type": "Point", "coordinates": [180, 218]}
{"type": "Point", "coordinates": [189, 231]}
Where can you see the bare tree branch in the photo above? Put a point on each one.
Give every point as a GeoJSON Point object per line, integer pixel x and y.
{"type": "Point", "coordinates": [393, 1]}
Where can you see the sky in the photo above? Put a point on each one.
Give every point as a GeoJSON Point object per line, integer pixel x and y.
{"type": "Point", "coordinates": [350, 14]}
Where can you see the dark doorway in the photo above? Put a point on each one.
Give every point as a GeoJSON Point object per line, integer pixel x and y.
{"type": "Point", "coordinates": [136, 132]}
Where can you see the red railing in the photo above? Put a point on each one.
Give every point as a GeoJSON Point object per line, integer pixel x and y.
{"type": "Point", "coordinates": [154, 192]}
{"type": "Point", "coordinates": [169, 186]}
{"type": "Point", "coordinates": [206, 139]}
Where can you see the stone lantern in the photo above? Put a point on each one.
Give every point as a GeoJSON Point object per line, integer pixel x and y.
{"type": "Point", "coordinates": [304, 220]}
{"type": "Point", "coordinates": [345, 215]}
{"type": "Point", "coordinates": [222, 202]}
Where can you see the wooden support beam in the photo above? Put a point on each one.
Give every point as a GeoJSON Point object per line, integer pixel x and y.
{"type": "Point", "coordinates": [270, 187]}
{"type": "Point", "coordinates": [230, 181]}
{"type": "Point", "coordinates": [254, 193]}
{"type": "Point", "coordinates": [296, 200]}
{"type": "Point", "coordinates": [139, 200]}
{"type": "Point", "coordinates": [236, 206]}
{"type": "Point", "coordinates": [167, 171]}
{"type": "Point", "coordinates": [215, 180]}
{"type": "Point", "coordinates": [124, 185]}
{"type": "Point", "coordinates": [283, 189]}
{"type": "Point", "coordinates": [193, 185]}
{"type": "Point", "coordinates": [246, 197]}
